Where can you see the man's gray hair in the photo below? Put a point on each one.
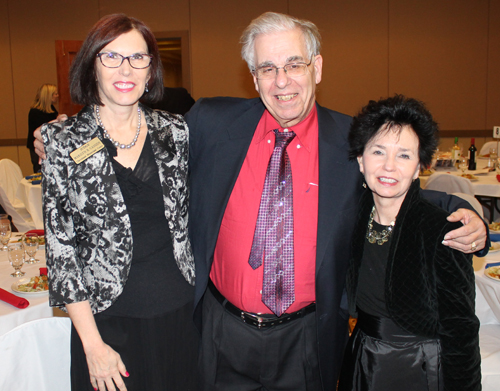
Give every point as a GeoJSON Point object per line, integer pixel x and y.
{"type": "Point", "coordinates": [272, 22]}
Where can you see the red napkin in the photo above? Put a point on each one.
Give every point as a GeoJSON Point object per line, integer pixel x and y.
{"type": "Point", "coordinates": [43, 271]}
{"type": "Point", "coordinates": [16, 301]}
{"type": "Point", "coordinates": [498, 178]}
{"type": "Point", "coordinates": [39, 232]}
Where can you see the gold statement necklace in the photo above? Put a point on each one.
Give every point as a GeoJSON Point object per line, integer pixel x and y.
{"type": "Point", "coordinates": [378, 237]}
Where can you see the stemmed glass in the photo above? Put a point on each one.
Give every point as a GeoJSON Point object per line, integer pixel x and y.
{"type": "Point", "coordinates": [16, 258]}
{"type": "Point", "coordinates": [30, 244]}
{"type": "Point", "coordinates": [463, 164]}
{"type": "Point", "coordinates": [5, 233]}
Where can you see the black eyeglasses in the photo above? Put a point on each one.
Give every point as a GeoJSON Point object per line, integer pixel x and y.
{"type": "Point", "coordinates": [115, 60]}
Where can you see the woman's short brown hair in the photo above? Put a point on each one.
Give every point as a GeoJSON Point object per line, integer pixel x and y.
{"type": "Point", "coordinates": [82, 74]}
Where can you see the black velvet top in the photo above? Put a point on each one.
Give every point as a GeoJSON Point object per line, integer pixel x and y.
{"type": "Point", "coordinates": [429, 288]}
{"type": "Point", "coordinates": [371, 284]}
{"type": "Point", "coordinates": [155, 285]}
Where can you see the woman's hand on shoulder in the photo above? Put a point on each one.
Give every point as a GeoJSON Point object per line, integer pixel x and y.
{"type": "Point", "coordinates": [106, 368]}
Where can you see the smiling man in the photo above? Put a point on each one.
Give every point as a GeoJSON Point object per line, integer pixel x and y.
{"type": "Point", "coordinates": [273, 204]}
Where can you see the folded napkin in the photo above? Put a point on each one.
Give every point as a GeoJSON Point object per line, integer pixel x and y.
{"type": "Point", "coordinates": [16, 301]}
{"type": "Point", "coordinates": [43, 271]}
{"type": "Point", "coordinates": [495, 237]}
{"type": "Point", "coordinates": [39, 232]}
{"type": "Point", "coordinates": [37, 182]}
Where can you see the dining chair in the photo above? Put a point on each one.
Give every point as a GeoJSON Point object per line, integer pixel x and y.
{"type": "Point", "coordinates": [489, 343]}
{"type": "Point", "coordinates": [473, 201]}
{"type": "Point", "coordinates": [449, 184]}
{"type": "Point", "coordinates": [485, 149]}
{"type": "Point", "coordinates": [36, 356]}
{"type": "Point", "coordinates": [10, 177]}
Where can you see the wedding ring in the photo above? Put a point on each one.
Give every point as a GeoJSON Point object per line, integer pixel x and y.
{"type": "Point", "coordinates": [473, 246]}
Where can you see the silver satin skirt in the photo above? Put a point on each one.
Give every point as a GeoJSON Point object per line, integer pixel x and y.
{"type": "Point", "coordinates": [382, 356]}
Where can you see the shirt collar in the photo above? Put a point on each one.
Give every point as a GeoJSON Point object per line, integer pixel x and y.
{"type": "Point", "coordinates": [303, 130]}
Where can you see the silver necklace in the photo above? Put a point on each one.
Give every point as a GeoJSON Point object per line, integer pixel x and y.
{"type": "Point", "coordinates": [379, 237]}
{"type": "Point", "coordinates": [116, 143]}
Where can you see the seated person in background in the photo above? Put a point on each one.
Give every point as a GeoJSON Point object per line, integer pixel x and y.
{"type": "Point", "coordinates": [413, 296]}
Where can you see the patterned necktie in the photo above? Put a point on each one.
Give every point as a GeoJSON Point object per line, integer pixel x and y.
{"type": "Point", "coordinates": [273, 237]}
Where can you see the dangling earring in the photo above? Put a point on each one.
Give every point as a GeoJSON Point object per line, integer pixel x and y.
{"type": "Point", "coordinates": [364, 184]}
{"type": "Point", "coordinates": [146, 89]}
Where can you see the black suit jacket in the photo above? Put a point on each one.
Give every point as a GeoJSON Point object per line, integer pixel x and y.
{"type": "Point", "coordinates": [221, 130]}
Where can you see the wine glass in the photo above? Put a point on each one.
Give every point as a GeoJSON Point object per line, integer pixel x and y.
{"type": "Point", "coordinates": [5, 233]}
{"type": "Point", "coordinates": [16, 258]}
{"type": "Point", "coordinates": [30, 244]}
{"type": "Point", "coordinates": [463, 164]}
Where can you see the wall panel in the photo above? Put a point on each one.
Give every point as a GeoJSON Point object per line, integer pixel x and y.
{"type": "Point", "coordinates": [8, 122]}
{"type": "Point", "coordinates": [438, 53]}
{"type": "Point", "coordinates": [216, 27]}
{"type": "Point", "coordinates": [493, 104]}
{"type": "Point", "coordinates": [34, 28]}
{"type": "Point", "coordinates": [355, 49]}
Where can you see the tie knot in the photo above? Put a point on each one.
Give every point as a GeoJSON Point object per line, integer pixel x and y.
{"type": "Point", "coordinates": [283, 138]}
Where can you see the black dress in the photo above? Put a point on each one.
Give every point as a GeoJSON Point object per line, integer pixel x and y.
{"type": "Point", "coordinates": [380, 355]}
{"type": "Point", "coordinates": [150, 324]}
{"type": "Point", "coordinates": [37, 118]}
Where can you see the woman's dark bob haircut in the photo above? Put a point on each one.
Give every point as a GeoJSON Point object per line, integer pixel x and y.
{"type": "Point", "coordinates": [82, 74]}
{"type": "Point", "coordinates": [393, 114]}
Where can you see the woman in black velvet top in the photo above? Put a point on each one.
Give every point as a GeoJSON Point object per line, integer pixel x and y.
{"type": "Point", "coordinates": [116, 219]}
{"type": "Point", "coordinates": [42, 111]}
{"type": "Point", "coordinates": [413, 297]}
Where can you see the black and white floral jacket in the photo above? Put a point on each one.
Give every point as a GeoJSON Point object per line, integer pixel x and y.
{"type": "Point", "coordinates": [87, 227]}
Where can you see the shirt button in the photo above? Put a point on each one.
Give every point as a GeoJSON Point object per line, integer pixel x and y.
{"type": "Point", "coordinates": [298, 146]}
{"type": "Point", "coordinates": [285, 130]}
{"type": "Point", "coordinates": [269, 141]}
{"type": "Point", "coordinates": [261, 292]}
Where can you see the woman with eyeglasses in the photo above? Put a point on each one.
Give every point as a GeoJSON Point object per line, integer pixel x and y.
{"type": "Point", "coordinates": [115, 205]}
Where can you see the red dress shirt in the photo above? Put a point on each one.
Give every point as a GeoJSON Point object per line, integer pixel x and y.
{"type": "Point", "coordinates": [231, 273]}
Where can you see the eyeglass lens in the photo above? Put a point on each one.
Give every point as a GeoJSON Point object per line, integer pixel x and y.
{"type": "Point", "coordinates": [115, 60]}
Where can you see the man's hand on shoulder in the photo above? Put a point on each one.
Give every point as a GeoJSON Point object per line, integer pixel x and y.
{"type": "Point", "coordinates": [38, 143]}
{"type": "Point", "coordinates": [469, 238]}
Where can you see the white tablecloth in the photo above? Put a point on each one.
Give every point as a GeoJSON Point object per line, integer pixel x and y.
{"type": "Point", "coordinates": [10, 316]}
{"type": "Point", "coordinates": [486, 184]}
{"type": "Point", "coordinates": [31, 196]}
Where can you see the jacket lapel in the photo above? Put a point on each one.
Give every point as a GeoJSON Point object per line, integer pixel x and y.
{"type": "Point", "coordinates": [333, 147]}
{"type": "Point", "coordinates": [230, 152]}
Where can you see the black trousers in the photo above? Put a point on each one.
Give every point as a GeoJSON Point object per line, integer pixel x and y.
{"type": "Point", "coordinates": [240, 357]}
{"type": "Point", "coordinates": [159, 353]}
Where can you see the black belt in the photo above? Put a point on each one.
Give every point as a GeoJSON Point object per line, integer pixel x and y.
{"type": "Point", "coordinates": [262, 320]}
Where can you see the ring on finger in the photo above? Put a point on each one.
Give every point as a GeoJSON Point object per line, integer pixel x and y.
{"type": "Point", "coordinates": [473, 246]}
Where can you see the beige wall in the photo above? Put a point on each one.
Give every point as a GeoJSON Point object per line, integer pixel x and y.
{"type": "Point", "coordinates": [445, 52]}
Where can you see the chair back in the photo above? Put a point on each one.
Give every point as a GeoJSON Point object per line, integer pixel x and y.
{"type": "Point", "coordinates": [10, 176]}
{"type": "Point", "coordinates": [485, 149]}
{"type": "Point", "coordinates": [36, 356]}
{"type": "Point", "coordinates": [449, 184]}
{"type": "Point", "coordinates": [473, 201]}
{"type": "Point", "coordinates": [489, 342]}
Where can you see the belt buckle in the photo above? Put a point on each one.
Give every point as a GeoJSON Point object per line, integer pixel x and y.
{"type": "Point", "coordinates": [255, 318]}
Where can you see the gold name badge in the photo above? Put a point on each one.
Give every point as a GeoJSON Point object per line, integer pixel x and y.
{"type": "Point", "coordinates": [86, 150]}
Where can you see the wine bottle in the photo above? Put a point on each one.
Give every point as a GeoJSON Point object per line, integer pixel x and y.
{"type": "Point", "coordinates": [455, 151]}
{"type": "Point", "coordinates": [472, 155]}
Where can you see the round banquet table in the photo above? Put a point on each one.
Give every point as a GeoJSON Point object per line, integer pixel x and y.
{"type": "Point", "coordinates": [31, 196]}
{"type": "Point", "coordinates": [10, 316]}
{"type": "Point", "coordinates": [489, 288]}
